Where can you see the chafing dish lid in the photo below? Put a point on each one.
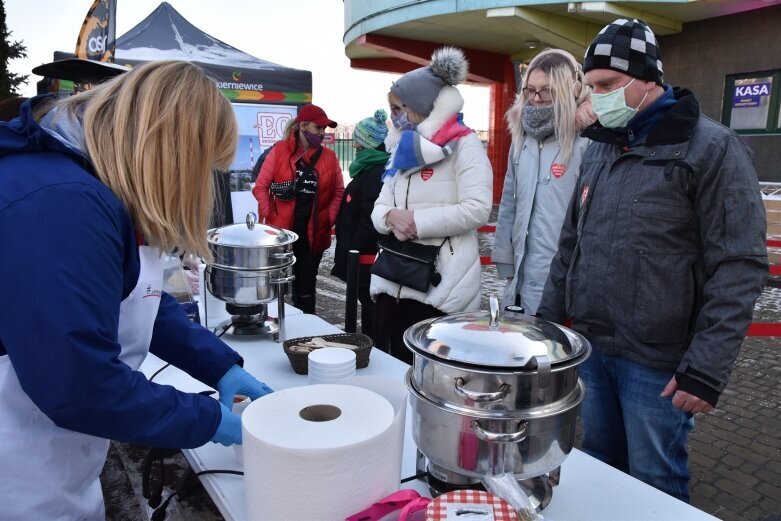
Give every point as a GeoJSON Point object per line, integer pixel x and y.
{"type": "Point", "coordinates": [512, 341]}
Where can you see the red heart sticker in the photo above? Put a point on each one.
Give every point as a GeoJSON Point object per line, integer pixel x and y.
{"type": "Point", "coordinates": [349, 198]}
{"type": "Point", "coordinates": [426, 173]}
{"type": "Point", "coordinates": [558, 170]}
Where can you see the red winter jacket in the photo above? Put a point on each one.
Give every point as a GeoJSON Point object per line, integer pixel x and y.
{"type": "Point", "coordinates": [280, 165]}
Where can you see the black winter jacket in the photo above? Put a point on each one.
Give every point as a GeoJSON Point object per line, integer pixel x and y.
{"type": "Point", "coordinates": [354, 227]}
{"type": "Point", "coordinates": [663, 250]}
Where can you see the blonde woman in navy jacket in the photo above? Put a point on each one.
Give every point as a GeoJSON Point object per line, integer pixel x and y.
{"type": "Point", "coordinates": [93, 190]}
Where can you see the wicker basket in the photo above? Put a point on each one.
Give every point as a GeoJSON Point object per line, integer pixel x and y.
{"type": "Point", "coordinates": [300, 361]}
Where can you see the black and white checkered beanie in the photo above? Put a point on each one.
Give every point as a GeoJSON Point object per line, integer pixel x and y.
{"type": "Point", "coordinates": [627, 46]}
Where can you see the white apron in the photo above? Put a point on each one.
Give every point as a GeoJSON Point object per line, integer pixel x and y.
{"type": "Point", "coordinates": [56, 471]}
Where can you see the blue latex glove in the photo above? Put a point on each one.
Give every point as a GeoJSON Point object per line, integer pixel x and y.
{"type": "Point", "coordinates": [238, 381]}
{"type": "Point", "coordinates": [229, 430]}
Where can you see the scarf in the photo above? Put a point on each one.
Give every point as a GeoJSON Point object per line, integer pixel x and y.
{"type": "Point", "coordinates": [642, 123]}
{"type": "Point", "coordinates": [538, 121]}
{"type": "Point", "coordinates": [366, 158]}
{"type": "Point", "coordinates": [414, 152]}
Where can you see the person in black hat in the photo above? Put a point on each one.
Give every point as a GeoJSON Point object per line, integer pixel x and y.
{"type": "Point", "coordinates": [661, 257]}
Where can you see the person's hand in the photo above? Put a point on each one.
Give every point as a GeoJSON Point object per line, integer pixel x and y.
{"type": "Point", "coordinates": [192, 281]}
{"type": "Point", "coordinates": [585, 115]}
{"type": "Point", "coordinates": [402, 222]}
{"type": "Point", "coordinates": [229, 430]}
{"type": "Point", "coordinates": [238, 381]}
{"type": "Point", "coordinates": [683, 400]}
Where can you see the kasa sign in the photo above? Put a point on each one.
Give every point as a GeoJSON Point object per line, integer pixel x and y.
{"type": "Point", "coordinates": [750, 95]}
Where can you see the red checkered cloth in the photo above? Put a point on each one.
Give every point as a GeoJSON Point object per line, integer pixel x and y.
{"type": "Point", "coordinates": [464, 500]}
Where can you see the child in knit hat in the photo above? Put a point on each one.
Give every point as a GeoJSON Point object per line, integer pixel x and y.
{"type": "Point", "coordinates": [371, 132]}
{"type": "Point", "coordinates": [354, 228]}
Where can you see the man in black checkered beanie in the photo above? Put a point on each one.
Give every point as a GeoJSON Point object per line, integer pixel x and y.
{"type": "Point", "coordinates": [627, 46]}
{"type": "Point", "coordinates": [661, 257]}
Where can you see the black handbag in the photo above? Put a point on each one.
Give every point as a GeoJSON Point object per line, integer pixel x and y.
{"type": "Point", "coordinates": [285, 190]}
{"type": "Point", "coordinates": [407, 263]}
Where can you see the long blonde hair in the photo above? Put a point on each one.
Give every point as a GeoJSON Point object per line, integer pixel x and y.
{"type": "Point", "coordinates": [566, 82]}
{"type": "Point", "coordinates": [154, 135]}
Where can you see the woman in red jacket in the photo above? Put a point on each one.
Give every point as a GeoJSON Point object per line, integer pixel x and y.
{"type": "Point", "coordinates": [299, 188]}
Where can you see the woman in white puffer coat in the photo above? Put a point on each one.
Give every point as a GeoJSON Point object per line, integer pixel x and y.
{"type": "Point", "coordinates": [542, 171]}
{"type": "Point", "coordinates": [437, 187]}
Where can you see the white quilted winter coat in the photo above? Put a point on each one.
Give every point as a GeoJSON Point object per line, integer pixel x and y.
{"type": "Point", "coordinates": [451, 201]}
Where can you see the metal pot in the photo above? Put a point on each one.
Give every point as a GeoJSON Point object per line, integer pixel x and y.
{"type": "Point", "coordinates": [245, 287]}
{"type": "Point", "coordinates": [472, 443]}
{"type": "Point", "coordinates": [494, 395]}
{"type": "Point", "coordinates": [251, 246]}
{"type": "Point", "coordinates": [251, 262]}
{"type": "Point", "coordinates": [481, 362]}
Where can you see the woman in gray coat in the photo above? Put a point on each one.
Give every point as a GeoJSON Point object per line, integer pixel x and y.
{"type": "Point", "coordinates": [541, 174]}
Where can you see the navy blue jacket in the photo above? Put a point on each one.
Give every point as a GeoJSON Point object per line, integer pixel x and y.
{"type": "Point", "coordinates": [69, 256]}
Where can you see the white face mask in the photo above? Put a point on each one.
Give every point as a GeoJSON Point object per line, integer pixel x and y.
{"type": "Point", "coordinates": [611, 108]}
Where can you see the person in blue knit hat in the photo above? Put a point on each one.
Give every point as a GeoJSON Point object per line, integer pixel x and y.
{"type": "Point", "coordinates": [354, 228]}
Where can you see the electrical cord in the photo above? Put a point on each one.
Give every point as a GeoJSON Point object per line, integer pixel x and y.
{"type": "Point", "coordinates": [152, 485]}
{"type": "Point", "coordinates": [182, 491]}
{"type": "Point", "coordinates": [158, 372]}
{"type": "Point", "coordinates": [416, 476]}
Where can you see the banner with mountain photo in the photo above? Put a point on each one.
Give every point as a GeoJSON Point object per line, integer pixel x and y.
{"type": "Point", "coordinates": [98, 33]}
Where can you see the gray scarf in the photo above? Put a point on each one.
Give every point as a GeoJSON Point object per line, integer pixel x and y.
{"type": "Point", "coordinates": [538, 121]}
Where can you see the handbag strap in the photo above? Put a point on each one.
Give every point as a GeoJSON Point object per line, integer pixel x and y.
{"type": "Point", "coordinates": [310, 166]}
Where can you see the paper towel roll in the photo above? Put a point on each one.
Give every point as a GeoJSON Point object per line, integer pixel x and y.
{"type": "Point", "coordinates": [319, 452]}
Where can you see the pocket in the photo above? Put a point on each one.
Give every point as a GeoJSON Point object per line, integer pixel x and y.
{"type": "Point", "coordinates": [665, 289]}
{"type": "Point", "coordinates": [742, 211]}
{"type": "Point", "coordinates": [663, 211]}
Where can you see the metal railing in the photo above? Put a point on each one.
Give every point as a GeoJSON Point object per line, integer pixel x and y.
{"type": "Point", "coordinates": [770, 189]}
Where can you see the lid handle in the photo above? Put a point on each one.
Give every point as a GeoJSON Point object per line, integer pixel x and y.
{"type": "Point", "coordinates": [493, 302]}
{"type": "Point", "coordinates": [543, 370]}
{"type": "Point", "coordinates": [251, 220]}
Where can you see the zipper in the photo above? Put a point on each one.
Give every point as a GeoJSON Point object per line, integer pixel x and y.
{"type": "Point", "coordinates": [540, 144]}
{"type": "Point", "coordinates": [403, 254]}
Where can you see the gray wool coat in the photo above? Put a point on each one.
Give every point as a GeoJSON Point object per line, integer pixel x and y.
{"type": "Point", "coordinates": [663, 250]}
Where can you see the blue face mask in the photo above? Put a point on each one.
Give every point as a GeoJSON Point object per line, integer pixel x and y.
{"type": "Point", "coordinates": [401, 122]}
{"type": "Point", "coordinates": [611, 108]}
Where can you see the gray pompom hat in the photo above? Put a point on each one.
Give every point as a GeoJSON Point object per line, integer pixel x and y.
{"type": "Point", "coordinates": [419, 88]}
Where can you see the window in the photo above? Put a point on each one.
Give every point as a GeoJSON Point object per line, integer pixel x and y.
{"type": "Point", "coordinates": [751, 102]}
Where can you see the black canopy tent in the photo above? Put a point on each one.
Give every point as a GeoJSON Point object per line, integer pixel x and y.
{"type": "Point", "coordinates": [167, 35]}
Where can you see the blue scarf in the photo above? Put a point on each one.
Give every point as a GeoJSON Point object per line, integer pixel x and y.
{"type": "Point", "coordinates": [414, 152]}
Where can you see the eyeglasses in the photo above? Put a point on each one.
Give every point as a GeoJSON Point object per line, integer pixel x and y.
{"type": "Point", "coordinates": [544, 94]}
